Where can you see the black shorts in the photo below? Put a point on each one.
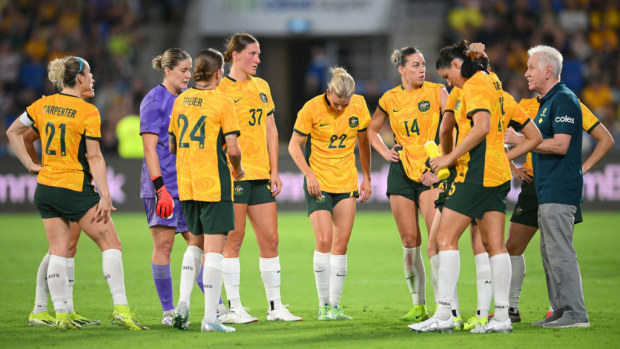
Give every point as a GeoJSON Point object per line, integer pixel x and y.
{"type": "Point", "coordinates": [254, 192]}
{"type": "Point", "coordinates": [209, 217]}
{"type": "Point", "coordinates": [55, 202]}
{"type": "Point", "coordinates": [474, 200]}
{"type": "Point", "coordinates": [327, 201]}
{"type": "Point", "coordinates": [398, 183]}
{"type": "Point", "coordinates": [526, 209]}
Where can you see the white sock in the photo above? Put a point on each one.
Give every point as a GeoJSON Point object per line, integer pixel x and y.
{"type": "Point", "coordinates": [456, 309]}
{"type": "Point", "coordinates": [321, 263]}
{"type": "Point", "coordinates": [232, 278]}
{"type": "Point", "coordinates": [192, 258]}
{"type": "Point", "coordinates": [338, 274]}
{"type": "Point", "coordinates": [270, 273]}
{"type": "Point", "coordinates": [212, 281]}
{"type": "Point", "coordinates": [484, 288]}
{"type": "Point", "coordinates": [71, 282]}
{"type": "Point", "coordinates": [112, 261]}
{"type": "Point", "coordinates": [448, 275]}
{"type": "Point", "coordinates": [41, 291]}
{"type": "Point", "coordinates": [516, 281]}
{"type": "Point", "coordinates": [415, 274]}
{"type": "Point", "coordinates": [500, 271]}
{"type": "Point", "coordinates": [57, 282]}
{"type": "Point", "coordinates": [434, 271]}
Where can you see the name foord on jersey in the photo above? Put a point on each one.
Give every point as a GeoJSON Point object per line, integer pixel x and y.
{"type": "Point", "coordinates": [565, 118]}
{"type": "Point", "coordinates": [59, 111]}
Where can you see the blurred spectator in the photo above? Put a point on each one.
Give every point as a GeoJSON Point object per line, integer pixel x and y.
{"type": "Point", "coordinates": [129, 140]}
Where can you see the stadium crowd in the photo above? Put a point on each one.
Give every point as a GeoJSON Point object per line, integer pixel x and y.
{"type": "Point", "coordinates": [111, 35]}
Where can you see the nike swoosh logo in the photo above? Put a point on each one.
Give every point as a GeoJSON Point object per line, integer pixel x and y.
{"type": "Point", "coordinates": [237, 100]}
{"type": "Point", "coordinates": [395, 111]}
{"type": "Point", "coordinates": [321, 125]}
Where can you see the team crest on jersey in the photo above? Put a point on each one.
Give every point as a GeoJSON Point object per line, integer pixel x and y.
{"type": "Point", "coordinates": [424, 106]}
{"type": "Point", "coordinates": [458, 104]}
{"type": "Point", "coordinates": [353, 122]}
{"type": "Point", "coordinates": [263, 97]}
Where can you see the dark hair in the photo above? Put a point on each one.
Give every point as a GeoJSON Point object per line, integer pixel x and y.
{"type": "Point", "coordinates": [63, 71]}
{"type": "Point", "coordinates": [169, 59]}
{"type": "Point", "coordinates": [237, 43]}
{"type": "Point", "coordinates": [459, 51]}
{"type": "Point", "coordinates": [208, 61]}
{"type": "Point", "coordinates": [399, 57]}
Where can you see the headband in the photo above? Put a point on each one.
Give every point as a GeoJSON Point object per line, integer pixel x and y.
{"type": "Point", "coordinates": [81, 61]}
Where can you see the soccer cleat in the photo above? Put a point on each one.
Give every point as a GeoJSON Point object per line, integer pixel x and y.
{"type": "Point", "coordinates": [64, 322]}
{"type": "Point", "coordinates": [181, 317]}
{"type": "Point", "coordinates": [434, 324]}
{"type": "Point", "coordinates": [41, 319]}
{"type": "Point", "coordinates": [80, 320]}
{"type": "Point", "coordinates": [417, 313]}
{"type": "Point", "coordinates": [549, 313]}
{"type": "Point", "coordinates": [475, 322]}
{"type": "Point", "coordinates": [215, 327]}
{"type": "Point", "coordinates": [237, 316]}
{"type": "Point", "coordinates": [167, 317]}
{"type": "Point", "coordinates": [458, 323]}
{"type": "Point", "coordinates": [324, 312]}
{"type": "Point", "coordinates": [122, 316]}
{"type": "Point", "coordinates": [494, 326]}
{"type": "Point", "coordinates": [336, 313]}
{"type": "Point", "coordinates": [282, 314]}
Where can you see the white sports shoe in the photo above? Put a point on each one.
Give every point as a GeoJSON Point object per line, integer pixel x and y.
{"type": "Point", "coordinates": [237, 316]}
{"type": "Point", "coordinates": [495, 326]}
{"type": "Point", "coordinates": [282, 314]}
{"type": "Point", "coordinates": [433, 324]}
{"type": "Point", "coordinates": [166, 319]}
{"type": "Point", "coordinates": [215, 327]}
{"type": "Point", "coordinates": [181, 317]}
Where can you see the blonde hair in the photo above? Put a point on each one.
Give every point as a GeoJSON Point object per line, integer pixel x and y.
{"type": "Point", "coordinates": [63, 71]}
{"type": "Point", "coordinates": [169, 59]}
{"type": "Point", "coordinates": [342, 83]}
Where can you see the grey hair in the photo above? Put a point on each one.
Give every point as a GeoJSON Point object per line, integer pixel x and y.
{"type": "Point", "coordinates": [548, 56]}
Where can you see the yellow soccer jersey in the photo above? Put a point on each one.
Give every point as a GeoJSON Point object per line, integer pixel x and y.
{"type": "Point", "coordinates": [531, 105]}
{"type": "Point", "coordinates": [200, 120]}
{"type": "Point", "coordinates": [64, 122]}
{"type": "Point", "coordinates": [331, 141]}
{"type": "Point", "coordinates": [415, 117]}
{"type": "Point", "coordinates": [463, 124]}
{"type": "Point", "coordinates": [253, 103]}
{"type": "Point", "coordinates": [487, 164]}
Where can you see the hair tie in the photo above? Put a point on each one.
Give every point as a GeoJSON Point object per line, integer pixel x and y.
{"type": "Point", "coordinates": [81, 61]}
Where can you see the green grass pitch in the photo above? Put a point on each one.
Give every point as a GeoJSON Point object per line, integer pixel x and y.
{"type": "Point", "coordinates": [375, 294]}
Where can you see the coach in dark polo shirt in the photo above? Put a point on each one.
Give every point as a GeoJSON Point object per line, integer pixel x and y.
{"type": "Point", "coordinates": [559, 182]}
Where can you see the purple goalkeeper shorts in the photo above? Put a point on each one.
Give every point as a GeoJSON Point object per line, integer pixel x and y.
{"type": "Point", "coordinates": [176, 221]}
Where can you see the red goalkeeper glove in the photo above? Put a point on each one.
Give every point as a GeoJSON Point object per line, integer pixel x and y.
{"type": "Point", "coordinates": [165, 203]}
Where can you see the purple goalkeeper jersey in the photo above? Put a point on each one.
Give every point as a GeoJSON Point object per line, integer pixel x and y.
{"type": "Point", "coordinates": [155, 111]}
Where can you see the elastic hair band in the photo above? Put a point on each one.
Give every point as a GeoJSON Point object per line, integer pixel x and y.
{"type": "Point", "coordinates": [81, 61]}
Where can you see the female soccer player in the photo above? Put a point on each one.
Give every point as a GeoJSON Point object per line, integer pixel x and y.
{"type": "Point", "coordinates": [203, 128]}
{"type": "Point", "coordinates": [481, 185]}
{"type": "Point", "coordinates": [414, 110]}
{"type": "Point", "coordinates": [329, 124]}
{"type": "Point", "coordinates": [70, 130]}
{"type": "Point", "coordinates": [39, 315]}
{"type": "Point", "coordinates": [158, 186]}
{"type": "Point", "coordinates": [524, 220]}
{"type": "Point", "coordinates": [255, 195]}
